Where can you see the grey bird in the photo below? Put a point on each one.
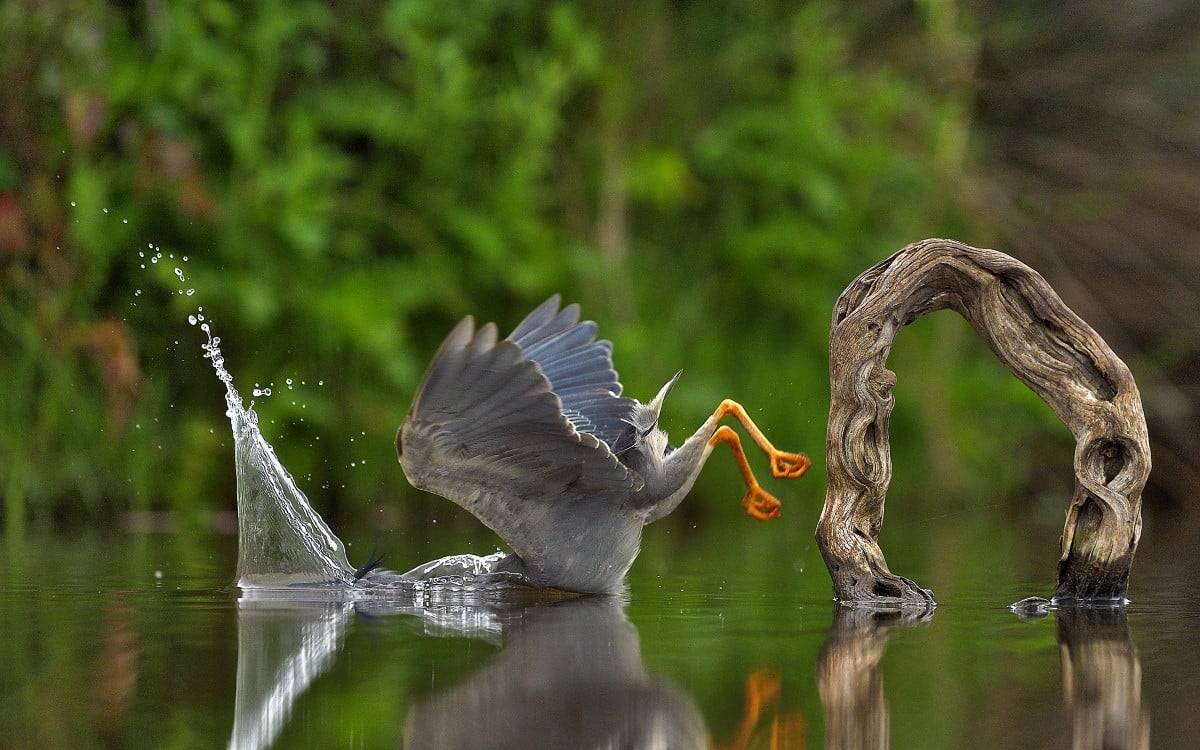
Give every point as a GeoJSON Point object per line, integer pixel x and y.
{"type": "Point", "coordinates": [532, 436]}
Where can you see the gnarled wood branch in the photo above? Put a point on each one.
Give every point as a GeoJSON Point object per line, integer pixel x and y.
{"type": "Point", "coordinates": [1043, 343]}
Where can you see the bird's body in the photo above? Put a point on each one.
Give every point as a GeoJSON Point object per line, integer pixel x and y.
{"type": "Point", "coordinates": [531, 435]}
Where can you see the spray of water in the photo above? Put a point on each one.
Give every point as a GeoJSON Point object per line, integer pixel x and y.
{"type": "Point", "coordinates": [283, 543]}
{"type": "Point", "coordinates": [282, 540]}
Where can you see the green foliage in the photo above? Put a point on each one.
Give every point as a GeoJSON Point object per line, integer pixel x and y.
{"type": "Point", "coordinates": [339, 183]}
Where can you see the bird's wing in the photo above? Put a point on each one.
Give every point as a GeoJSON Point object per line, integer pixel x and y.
{"type": "Point", "coordinates": [579, 368]}
{"type": "Point", "coordinates": [486, 431]}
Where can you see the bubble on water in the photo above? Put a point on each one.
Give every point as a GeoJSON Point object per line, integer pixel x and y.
{"type": "Point", "coordinates": [137, 292]}
{"type": "Point", "coordinates": [154, 259]}
{"type": "Point", "coordinates": [289, 385]}
{"type": "Point", "coordinates": [141, 253]}
{"type": "Point", "coordinates": [190, 292]}
{"type": "Point", "coordinates": [320, 382]}
{"type": "Point", "coordinates": [105, 210]}
{"type": "Point", "coordinates": [124, 221]}
{"type": "Point", "coordinates": [184, 259]}
{"type": "Point", "coordinates": [179, 273]}
{"type": "Point", "coordinates": [72, 204]}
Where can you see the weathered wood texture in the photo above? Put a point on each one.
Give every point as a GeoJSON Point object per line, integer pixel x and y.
{"type": "Point", "coordinates": [1043, 343]}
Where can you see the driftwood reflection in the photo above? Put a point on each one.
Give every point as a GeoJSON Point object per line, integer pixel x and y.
{"type": "Point", "coordinates": [570, 675]}
{"type": "Point", "coordinates": [848, 675]}
{"type": "Point", "coordinates": [1102, 679]}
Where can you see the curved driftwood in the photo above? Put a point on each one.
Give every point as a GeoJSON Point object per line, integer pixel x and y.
{"type": "Point", "coordinates": [1043, 343]}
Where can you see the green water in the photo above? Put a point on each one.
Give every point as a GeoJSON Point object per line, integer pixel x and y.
{"type": "Point", "coordinates": [137, 640]}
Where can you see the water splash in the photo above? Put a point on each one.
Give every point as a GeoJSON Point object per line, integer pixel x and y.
{"type": "Point", "coordinates": [282, 541]}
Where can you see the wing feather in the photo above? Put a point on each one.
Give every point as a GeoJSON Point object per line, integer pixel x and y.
{"type": "Point", "coordinates": [486, 431]}
{"type": "Point", "coordinates": [579, 368]}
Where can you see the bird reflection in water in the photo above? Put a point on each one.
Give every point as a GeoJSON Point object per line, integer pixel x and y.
{"type": "Point", "coordinates": [569, 674]}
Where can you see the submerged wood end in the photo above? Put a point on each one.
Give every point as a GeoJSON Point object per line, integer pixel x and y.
{"type": "Point", "coordinates": [1043, 343]}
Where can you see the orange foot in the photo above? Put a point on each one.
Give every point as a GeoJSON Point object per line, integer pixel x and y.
{"type": "Point", "coordinates": [786, 465]}
{"type": "Point", "coordinates": [760, 504]}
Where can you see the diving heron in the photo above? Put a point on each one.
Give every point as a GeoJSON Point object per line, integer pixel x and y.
{"type": "Point", "coordinates": [531, 435]}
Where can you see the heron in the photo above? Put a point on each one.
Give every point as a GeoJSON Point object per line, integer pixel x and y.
{"type": "Point", "coordinates": [532, 436]}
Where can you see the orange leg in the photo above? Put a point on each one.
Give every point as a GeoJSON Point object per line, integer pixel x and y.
{"type": "Point", "coordinates": [758, 502]}
{"type": "Point", "coordinates": [784, 465]}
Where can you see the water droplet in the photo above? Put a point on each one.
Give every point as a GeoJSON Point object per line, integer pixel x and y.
{"type": "Point", "coordinates": [72, 204]}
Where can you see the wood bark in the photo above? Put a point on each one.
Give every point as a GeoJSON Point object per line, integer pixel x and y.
{"type": "Point", "coordinates": [1043, 343]}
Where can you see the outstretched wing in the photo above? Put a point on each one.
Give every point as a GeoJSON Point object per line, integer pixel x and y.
{"type": "Point", "coordinates": [486, 431]}
{"type": "Point", "coordinates": [579, 368]}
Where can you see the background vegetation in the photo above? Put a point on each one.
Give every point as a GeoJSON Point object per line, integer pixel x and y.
{"type": "Point", "coordinates": [339, 183]}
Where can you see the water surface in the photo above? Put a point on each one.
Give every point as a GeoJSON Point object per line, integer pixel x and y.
{"type": "Point", "coordinates": [726, 637]}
